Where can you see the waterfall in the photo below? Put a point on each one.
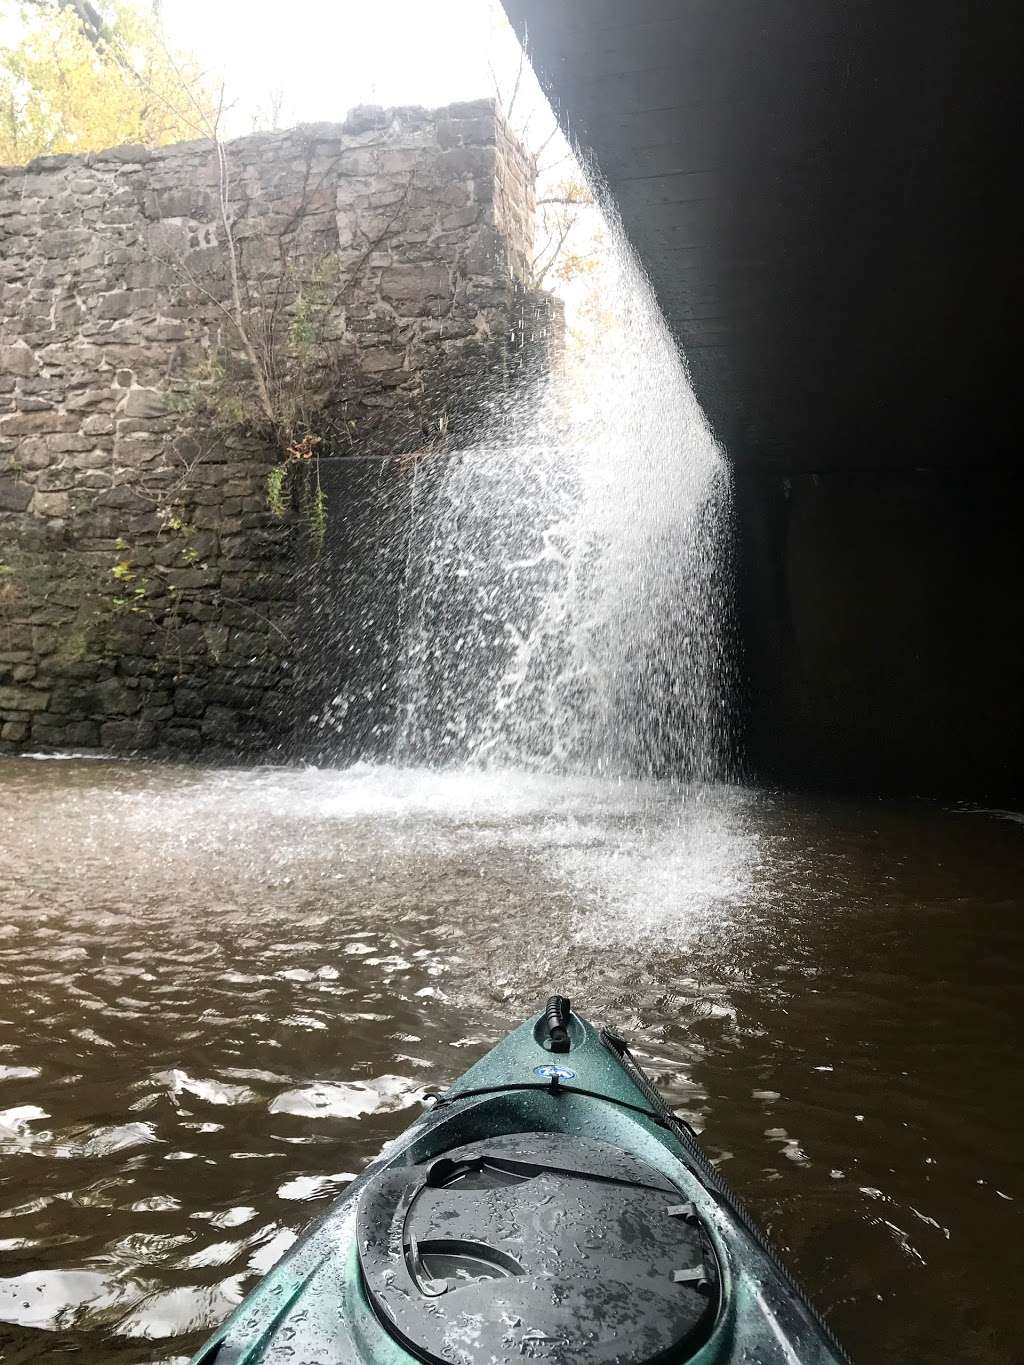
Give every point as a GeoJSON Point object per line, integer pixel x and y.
{"type": "Point", "coordinates": [568, 577]}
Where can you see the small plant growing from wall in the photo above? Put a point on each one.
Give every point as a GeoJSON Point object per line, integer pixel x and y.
{"type": "Point", "coordinates": [279, 388]}
{"type": "Point", "coordinates": [301, 458]}
{"type": "Point", "coordinates": [275, 360]}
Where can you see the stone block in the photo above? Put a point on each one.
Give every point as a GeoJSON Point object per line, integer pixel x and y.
{"type": "Point", "coordinates": [33, 448]}
{"type": "Point", "coordinates": [415, 284]}
{"type": "Point", "coordinates": [67, 314]}
{"type": "Point", "coordinates": [376, 360]}
{"type": "Point", "coordinates": [89, 398]}
{"type": "Point", "coordinates": [50, 504]}
{"type": "Point", "coordinates": [37, 423]}
{"type": "Point", "coordinates": [80, 670]}
{"type": "Point", "coordinates": [180, 201]}
{"type": "Point", "coordinates": [219, 724]}
{"type": "Point", "coordinates": [15, 496]}
{"type": "Point", "coordinates": [70, 700]}
{"type": "Point", "coordinates": [99, 424]}
{"type": "Point", "coordinates": [49, 731]}
{"type": "Point", "coordinates": [461, 218]}
{"type": "Point", "coordinates": [486, 255]}
{"type": "Point", "coordinates": [83, 733]}
{"type": "Point", "coordinates": [63, 244]}
{"type": "Point", "coordinates": [202, 611]}
{"type": "Point", "coordinates": [94, 479]}
{"type": "Point", "coordinates": [189, 580]}
{"type": "Point", "coordinates": [23, 699]}
{"type": "Point", "coordinates": [18, 360]}
{"type": "Point", "coordinates": [365, 117]}
{"type": "Point", "coordinates": [142, 402]}
{"type": "Point", "coordinates": [113, 698]}
{"type": "Point", "coordinates": [124, 499]}
{"type": "Point", "coordinates": [91, 459]}
{"type": "Point", "coordinates": [399, 160]}
{"type": "Point", "coordinates": [478, 162]}
{"type": "Point", "coordinates": [56, 480]}
{"type": "Point", "coordinates": [478, 131]}
{"type": "Point", "coordinates": [127, 736]}
{"type": "Point", "coordinates": [128, 152]}
{"type": "Point", "coordinates": [189, 703]}
{"type": "Point", "coordinates": [166, 331]}
{"type": "Point", "coordinates": [157, 714]}
{"type": "Point", "coordinates": [472, 109]}
{"type": "Point", "coordinates": [216, 640]}
{"type": "Point", "coordinates": [119, 303]}
{"type": "Point", "coordinates": [182, 737]}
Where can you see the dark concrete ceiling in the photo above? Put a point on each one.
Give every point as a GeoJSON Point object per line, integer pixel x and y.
{"type": "Point", "coordinates": [826, 195]}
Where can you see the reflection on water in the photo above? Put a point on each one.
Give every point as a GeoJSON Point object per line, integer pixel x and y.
{"type": "Point", "coordinates": [220, 992]}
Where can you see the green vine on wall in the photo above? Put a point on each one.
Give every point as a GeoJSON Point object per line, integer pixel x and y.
{"type": "Point", "coordinates": [301, 466]}
{"type": "Point", "coordinates": [285, 401]}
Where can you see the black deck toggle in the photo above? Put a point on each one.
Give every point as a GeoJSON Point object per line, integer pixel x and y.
{"type": "Point", "coordinates": [556, 1018]}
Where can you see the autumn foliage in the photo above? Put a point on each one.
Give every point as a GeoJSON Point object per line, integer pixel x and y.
{"type": "Point", "coordinates": [79, 77]}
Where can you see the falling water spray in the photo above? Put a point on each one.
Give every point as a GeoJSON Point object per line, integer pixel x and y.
{"type": "Point", "coordinates": [568, 575]}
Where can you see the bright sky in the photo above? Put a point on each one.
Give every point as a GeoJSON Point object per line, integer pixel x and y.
{"type": "Point", "coordinates": [325, 56]}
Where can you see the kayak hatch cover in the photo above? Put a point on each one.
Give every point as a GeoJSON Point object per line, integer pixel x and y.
{"type": "Point", "coordinates": [547, 1207]}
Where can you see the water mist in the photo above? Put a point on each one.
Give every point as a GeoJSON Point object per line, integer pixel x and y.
{"type": "Point", "coordinates": [568, 586]}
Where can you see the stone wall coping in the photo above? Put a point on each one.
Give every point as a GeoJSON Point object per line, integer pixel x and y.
{"type": "Point", "coordinates": [361, 118]}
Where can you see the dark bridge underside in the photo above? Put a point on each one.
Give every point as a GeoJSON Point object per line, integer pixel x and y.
{"type": "Point", "coordinates": [826, 196]}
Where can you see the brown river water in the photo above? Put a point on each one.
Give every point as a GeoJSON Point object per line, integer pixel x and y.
{"type": "Point", "coordinates": [222, 991]}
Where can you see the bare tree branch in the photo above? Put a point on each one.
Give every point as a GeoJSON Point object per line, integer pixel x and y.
{"type": "Point", "coordinates": [543, 170]}
{"type": "Point", "coordinates": [515, 88]}
{"type": "Point", "coordinates": [544, 145]}
{"type": "Point", "coordinates": [88, 16]}
{"type": "Point", "coordinates": [539, 275]}
{"type": "Point", "coordinates": [223, 197]}
{"type": "Point", "coordinates": [497, 85]}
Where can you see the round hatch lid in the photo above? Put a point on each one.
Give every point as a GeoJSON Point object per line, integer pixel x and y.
{"type": "Point", "coordinates": [537, 1246]}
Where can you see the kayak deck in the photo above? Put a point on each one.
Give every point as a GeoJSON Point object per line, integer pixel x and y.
{"type": "Point", "coordinates": [546, 1207]}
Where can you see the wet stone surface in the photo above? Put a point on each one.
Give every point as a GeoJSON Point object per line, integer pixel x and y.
{"type": "Point", "coordinates": [221, 992]}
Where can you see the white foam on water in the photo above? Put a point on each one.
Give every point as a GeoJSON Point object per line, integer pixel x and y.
{"type": "Point", "coordinates": [1015, 817]}
{"type": "Point", "coordinates": [666, 881]}
{"type": "Point", "coordinates": [91, 756]}
{"type": "Point", "coordinates": [324, 1100]}
{"type": "Point", "coordinates": [628, 856]}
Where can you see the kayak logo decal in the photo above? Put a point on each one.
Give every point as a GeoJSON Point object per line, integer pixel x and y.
{"type": "Point", "coordinates": [550, 1072]}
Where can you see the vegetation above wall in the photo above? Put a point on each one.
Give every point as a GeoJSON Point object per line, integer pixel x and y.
{"type": "Point", "coordinates": [78, 77]}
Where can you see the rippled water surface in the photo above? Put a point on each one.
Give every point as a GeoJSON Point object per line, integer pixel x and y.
{"type": "Point", "coordinates": [220, 992]}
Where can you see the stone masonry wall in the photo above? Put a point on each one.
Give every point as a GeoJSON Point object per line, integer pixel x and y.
{"type": "Point", "coordinates": [147, 593]}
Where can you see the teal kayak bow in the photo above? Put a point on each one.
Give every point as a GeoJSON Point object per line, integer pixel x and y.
{"type": "Point", "coordinates": [547, 1207]}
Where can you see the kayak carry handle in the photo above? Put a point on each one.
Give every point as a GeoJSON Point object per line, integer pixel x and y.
{"type": "Point", "coordinates": [556, 1017]}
